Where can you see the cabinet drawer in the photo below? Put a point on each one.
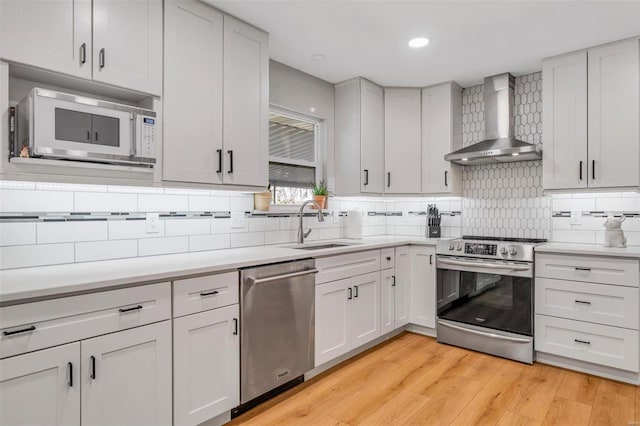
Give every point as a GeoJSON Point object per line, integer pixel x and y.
{"type": "Point", "coordinates": [53, 322]}
{"type": "Point", "coordinates": [602, 270]}
{"type": "Point", "coordinates": [599, 344]}
{"type": "Point", "coordinates": [199, 294]}
{"type": "Point", "coordinates": [387, 258]}
{"type": "Point", "coordinates": [347, 265]}
{"type": "Point", "coordinates": [599, 303]}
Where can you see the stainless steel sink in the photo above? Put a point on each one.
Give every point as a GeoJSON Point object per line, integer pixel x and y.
{"type": "Point", "coordinates": [322, 246]}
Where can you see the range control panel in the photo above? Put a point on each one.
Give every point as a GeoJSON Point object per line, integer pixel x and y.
{"type": "Point", "coordinates": [481, 249]}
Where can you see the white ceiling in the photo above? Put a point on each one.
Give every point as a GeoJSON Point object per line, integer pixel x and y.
{"type": "Point", "coordinates": [469, 39]}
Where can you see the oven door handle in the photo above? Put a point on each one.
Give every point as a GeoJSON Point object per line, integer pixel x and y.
{"type": "Point", "coordinates": [497, 266]}
{"type": "Point", "coordinates": [481, 333]}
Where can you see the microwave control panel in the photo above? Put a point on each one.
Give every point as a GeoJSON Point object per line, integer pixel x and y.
{"type": "Point", "coordinates": [148, 136]}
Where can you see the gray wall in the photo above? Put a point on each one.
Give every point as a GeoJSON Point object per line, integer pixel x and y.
{"type": "Point", "coordinates": [303, 93]}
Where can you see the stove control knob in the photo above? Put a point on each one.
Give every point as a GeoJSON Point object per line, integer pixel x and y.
{"type": "Point", "coordinates": [503, 250]}
{"type": "Point", "coordinates": [451, 246]}
{"type": "Point", "coordinates": [513, 251]}
{"type": "Point", "coordinates": [459, 247]}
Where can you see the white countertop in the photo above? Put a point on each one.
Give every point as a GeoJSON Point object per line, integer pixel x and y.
{"type": "Point", "coordinates": [589, 249]}
{"type": "Point", "coordinates": [50, 281]}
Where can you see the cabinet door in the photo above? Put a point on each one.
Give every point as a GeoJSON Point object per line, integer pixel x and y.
{"type": "Point", "coordinates": [192, 93]}
{"type": "Point", "coordinates": [127, 44]}
{"type": "Point", "coordinates": [54, 35]}
{"type": "Point", "coordinates": [441, 134]}
{"type": "Point", "coordinates": [402, 287]}
{"type": "Point", "coordinates": [365, 309]}
{"type": "Point", "coordinates": [246, 104]}
{"type": "Point", "coordinates": [387, 300]}
{"type": "Point", "coordinates": [402, 141]}
{"type": "Point", "coordinates": [126, 377]}
{"type": "Point", "coordinates": [333, 336]}
{"type": "Point", "coordinates": [372, 137]}
{"type": "Point", "coordinates": [423, 288]}
{"type": "Point", "coordinates": [564, 93]}
{"type": "Point", "coordinates": [41, 388]}
{"type": "Point", "coordinates": [614, 114]}
{"type": "Point", "coordinates": [206, 370]}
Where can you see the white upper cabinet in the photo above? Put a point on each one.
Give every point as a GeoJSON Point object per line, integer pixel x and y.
{"type": "Point", "coordinates": [55, 35]}
{"type": "Point", "coordinates": [564, 91]}
{"type": "Point", "coordinates": [371, 137]}
{"type": "Point", "coordinates": [246, 104]}
{"type": "Point", "coordinates": [614, 115]}
{"type": "Point", "coordinates": [41, 388]}
{"type": "Point", "coordinates": [591, 118]}
{"type": "Point", "coordinates": [127, 44]}
{"type": "Point", "coordinates": [193, 134]}
{"type": "Point", "coordinates": [441, 134]}
{"type": "Point", "coordinates": [359, 137]}
{"type": "Point", "coordinates": [402, 126]}
{"type": "Point", "coordinates": [113, 42]}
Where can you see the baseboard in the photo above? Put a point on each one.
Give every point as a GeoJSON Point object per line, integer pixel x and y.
{"type": "Point", "coordinates": [589, 368]}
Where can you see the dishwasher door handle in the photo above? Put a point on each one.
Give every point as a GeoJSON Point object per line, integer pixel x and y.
{"type": "Point", "coordinates": [282, 277]}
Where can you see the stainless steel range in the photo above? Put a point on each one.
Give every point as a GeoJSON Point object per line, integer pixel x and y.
{"type": "Point", "coordinates": [485, 295]}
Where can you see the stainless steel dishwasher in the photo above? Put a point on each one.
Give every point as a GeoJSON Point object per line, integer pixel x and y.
{"type": "Point", "coordinates": [277, 328]}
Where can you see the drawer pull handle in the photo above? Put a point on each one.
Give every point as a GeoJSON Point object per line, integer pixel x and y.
{"type": "Point", "coordinates": [579, 268]}
{"type": "Point", "coordinates": [582, 341]}
{"type": "Point", "coordinates": [24, 330]}
{"type": "Point", "coordinates": [135, 308]}
{"type": "Point", "coordinates": [209, 293]}
{"type": "Point", "coordinates": [70, 383]}
{"type": "Point", "coordinates": [584, 302]}
{"type": "Point", "coordinates": [93, 367]}
{"type": "Point", "coordinates": [235, 326]}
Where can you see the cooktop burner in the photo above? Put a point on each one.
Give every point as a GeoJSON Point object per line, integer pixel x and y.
{"type": "Point", "coordinates": [505, 239]}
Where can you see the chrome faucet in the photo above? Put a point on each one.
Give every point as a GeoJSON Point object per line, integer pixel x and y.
{"type": "Point", "coordinates": [302, 234]}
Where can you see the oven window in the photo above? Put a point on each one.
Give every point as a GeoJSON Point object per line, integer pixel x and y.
{"type": "Point", "coordinates": [489, 300]}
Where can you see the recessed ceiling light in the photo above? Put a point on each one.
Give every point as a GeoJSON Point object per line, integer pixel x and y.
{"type": "Point", "coordinates": [419, 42]}
{"type": "Point", "coordinates": [318, 57]}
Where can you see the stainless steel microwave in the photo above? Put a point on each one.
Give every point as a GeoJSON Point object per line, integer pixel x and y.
{"type": "Point", "coordinates": [57, 125]}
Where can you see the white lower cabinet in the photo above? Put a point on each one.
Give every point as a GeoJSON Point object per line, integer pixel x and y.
{"type": "Point", "coordinates": [347, 315]}
{"type": "Point", "coordinates": [126, 377]}
{"type": "Point", "coordinates": [394, 293]}
{"type": "Point", "coordinates": [42, 387]}
{"type": "Point", "coordinates": [206, 365]}
{"type": "Point", "coordinates": [423, 286]}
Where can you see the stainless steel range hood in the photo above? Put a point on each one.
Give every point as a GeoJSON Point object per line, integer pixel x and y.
{"type": "Point", "coordinates": [500, 146]}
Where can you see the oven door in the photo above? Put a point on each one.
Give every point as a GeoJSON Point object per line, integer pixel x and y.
{"type": "Point", "coordinates": [487, 293]}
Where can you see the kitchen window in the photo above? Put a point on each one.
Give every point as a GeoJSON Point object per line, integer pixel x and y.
{"type": "Point", "coordinates": [293, 157]}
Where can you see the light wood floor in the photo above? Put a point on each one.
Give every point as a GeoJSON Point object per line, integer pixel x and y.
{"type": "Point", "coordinates": [412, 379]}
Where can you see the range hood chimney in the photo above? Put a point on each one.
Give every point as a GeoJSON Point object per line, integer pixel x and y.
{"type": "Point", "coordinates": [500, 145]}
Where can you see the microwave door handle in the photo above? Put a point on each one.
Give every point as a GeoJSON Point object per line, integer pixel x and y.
{"type": "Point", "coordinates": [133, 150]}
{"type": "Point", "coordinates": [495, 266]}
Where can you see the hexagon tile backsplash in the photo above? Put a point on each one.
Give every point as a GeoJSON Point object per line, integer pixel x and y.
{"type": "Point", "coordinates": [506, 200]}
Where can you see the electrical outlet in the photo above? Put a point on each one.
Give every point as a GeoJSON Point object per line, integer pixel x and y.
{"type": "Point", "coordinates": [576, 217]}
{"type": "Point", "coordinates": [152, 223]}
{"type": "Point", "coordinates": [237, 220]}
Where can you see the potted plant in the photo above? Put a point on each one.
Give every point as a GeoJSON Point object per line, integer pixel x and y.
{"type": "Point", "coordinates": [320, 193]}
{"type": "Point", "coordinates": [262, 200]}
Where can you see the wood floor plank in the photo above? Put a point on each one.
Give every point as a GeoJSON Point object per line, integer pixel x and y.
{"type": "Point", "coordinates": [398, 410]}
{"type": "Point", "coordinates": [565, 412]}
{"type": "Point", "coordinates": [510, 418]}
{"type": "Point", "coordinates": [536, 395]}
{"type": "Point", "coordinates": [494, 398]}
{"type": "Point", "coordinates": [614, 404]}
{"type": "Point", "coordinates": [579, 387]}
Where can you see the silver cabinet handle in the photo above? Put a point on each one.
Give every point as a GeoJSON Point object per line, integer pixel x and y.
{"type": "Point", "coordinates": [101, 58]}
{"type": "Point", "coordinates": [83, 54]}
{"type": "Point", "coordinates": [283, 276]}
